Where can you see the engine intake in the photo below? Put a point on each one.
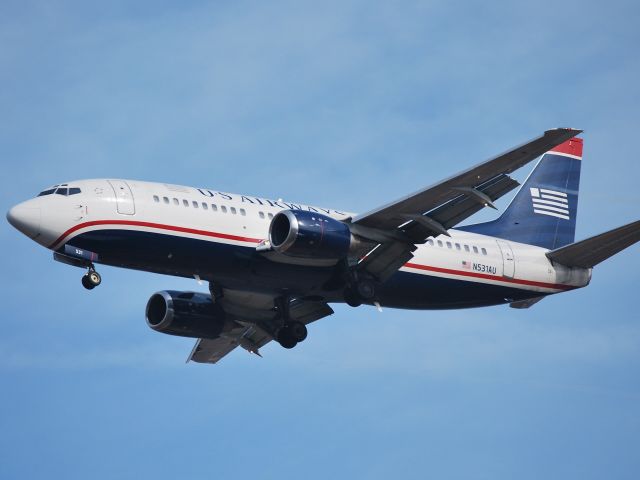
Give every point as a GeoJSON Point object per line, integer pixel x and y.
{"type": "Point", "coordinates": [298, 233]}
{"type": "Point", "coordinates": [185, 314]}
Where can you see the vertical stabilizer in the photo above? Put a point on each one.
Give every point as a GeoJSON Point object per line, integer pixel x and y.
{"type": "Point", "coordinates": [543, 212]}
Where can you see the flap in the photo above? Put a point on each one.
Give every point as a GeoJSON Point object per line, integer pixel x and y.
{"type": "Point", "coordinates": [255, 321]}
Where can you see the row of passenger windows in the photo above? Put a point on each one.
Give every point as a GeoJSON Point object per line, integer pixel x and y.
{"type": "Point", "coordinates": [243, 212]}
{"type": "Point", "coordinates": [457, 246]}
{"type": "Point", "coordinates": [206, 206]}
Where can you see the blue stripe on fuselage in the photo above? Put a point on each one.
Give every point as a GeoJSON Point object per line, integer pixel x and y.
{"type": "Point", "coordinates": [238, 267]}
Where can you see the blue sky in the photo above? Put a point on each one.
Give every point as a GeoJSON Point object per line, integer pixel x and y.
{"type": "Point", "coordinates": [347, 104]}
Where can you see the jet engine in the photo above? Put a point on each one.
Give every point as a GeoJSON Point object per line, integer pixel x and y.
{"type": "Point", "coordinates": [185, 314]}
{"type": "Point", "coordinates": [298, 233]}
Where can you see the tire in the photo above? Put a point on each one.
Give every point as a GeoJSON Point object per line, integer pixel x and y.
{"type": "Point", "coordinates": [298, 330]}
{"type": "Point", "coordinates": [94, 278]}
{"type": "Point", "coordinates": [286, 339]}
{"type": "Point", "coordinates": [351, 298]}
{"type": "Point", "coordinates": [86, 283]}
{"type": "Point", "coordinates": [366, 289]}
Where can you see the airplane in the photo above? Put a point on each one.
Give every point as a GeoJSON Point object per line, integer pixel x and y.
{"type": "Point", "coordinates": [273, 267]}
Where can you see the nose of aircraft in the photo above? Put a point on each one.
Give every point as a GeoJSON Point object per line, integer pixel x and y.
{"type": "Point", "coordinates": [25, 219]}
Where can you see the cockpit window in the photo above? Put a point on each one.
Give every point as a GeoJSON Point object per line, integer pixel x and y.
{"type": "Point", "coordinates": [60, 190]}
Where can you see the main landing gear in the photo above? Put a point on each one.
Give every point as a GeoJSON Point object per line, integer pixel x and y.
{"type": "Point", "coordinates": [91, 279]}
{"type": "Point", "coordinates": [359, 291]}
{"type": "Point", "coordinates": [291, 332]}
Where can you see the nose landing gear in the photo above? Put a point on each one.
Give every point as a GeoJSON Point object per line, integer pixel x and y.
{"type": "Point", "coordinates": [91, 279]}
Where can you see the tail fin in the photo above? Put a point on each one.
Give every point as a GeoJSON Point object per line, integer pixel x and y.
{"type": "Point", "coordinates": [543, 212]}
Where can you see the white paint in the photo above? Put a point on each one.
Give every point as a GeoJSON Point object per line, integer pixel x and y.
{"type": "Point", "coordinates": [529, 262]}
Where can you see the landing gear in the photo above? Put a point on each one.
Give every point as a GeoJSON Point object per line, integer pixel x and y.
{"type": "Point", "coordinates": [298, 330]}
{"type": "Point", "coordinates": [362, 290]}
{"type": "Point", "coordinates": [366, 289]}
{"type": "Point", "coordinates": [351, 297]}
{"type": "Point", "coordinates": [216, 291]}
{"type": "Point", "coordinates": [292, 331]}
{"type": "Point", "coordinates": [291, 334]}
{"type": "Point", "coordinates": [91, 279]}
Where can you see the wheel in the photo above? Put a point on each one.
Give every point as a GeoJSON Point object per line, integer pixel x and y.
{"type": "Point", "coordinates": [351, 297]}
{"type": "Point", "coordinates": [366, 289]}
{"type": "Point", "coordinates": [86, 283]}
{"type": "Point", "coordinates": [298, 330]}
{"type": "Point", "coordinates": [285, 338]}
{"type": "Point", "coordinates": [94, 278]}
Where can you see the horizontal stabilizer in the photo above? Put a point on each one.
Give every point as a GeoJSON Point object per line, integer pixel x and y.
{"type": "Point", "coordinates": [590, 252]}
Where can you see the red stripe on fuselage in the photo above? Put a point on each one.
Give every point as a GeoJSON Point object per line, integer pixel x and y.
{"type": "Point", "coordinates": [159, 226]}
{"type": "Point", "coordinates": [462, 273]}
{"type": "Point", "coordinates": [238, 238]}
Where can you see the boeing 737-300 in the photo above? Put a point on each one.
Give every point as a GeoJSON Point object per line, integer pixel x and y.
{"type": "Point", "coordinates": [273, 266]}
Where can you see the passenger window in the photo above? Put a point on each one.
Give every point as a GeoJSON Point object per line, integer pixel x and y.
{"type": "Point", "coordinates": [156, 198]}
{"type": "Point", "coordinates": [62, 191]}
{"type": "Point", "coordinates": [185, 202]}
{"type": "Point", "coordinates": [243, 212]}
{"type": "Point", "coordinates": [484, 251]}
{"type": "Point", "coordinates": [261, 214]}
{"type": "Point", "coordinates": [270, 215]}
{"type": "Point", "coordinates": [440, 243]}
{"type": "Point", "coordinates": [223, 208]}
{"type": "Point", "coordinates": [449, 245]}
{"type": "Point", "coordinates": [214, 207]}
{"type": "Point", "coordinates": [430, 242]}
{"type": "Point", "coordinates": [475, 249]}
{"type": "Point", "coordinates": [195, 204]}
{"type": "Point", "coordinates": [176, 201]}
{"type": "Point", "coordinates": [458, 246]}
{"type": "Point", "coordinates": [466, 248]}
{"type": "Point", "coordinates": [205, 206]}
{"type": "Point", "coordinates": [165, 200]}
{"type": "Point", "coordinates": [233, 210]}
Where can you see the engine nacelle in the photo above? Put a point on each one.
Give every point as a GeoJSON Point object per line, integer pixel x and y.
{"type": "Point", "coordinates": [298, 233]}
{"type": "Point", "coordinates": [186, 314]}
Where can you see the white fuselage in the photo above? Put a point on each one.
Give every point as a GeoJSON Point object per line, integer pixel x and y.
{"type": "Point", "coordinates": [243, 221]}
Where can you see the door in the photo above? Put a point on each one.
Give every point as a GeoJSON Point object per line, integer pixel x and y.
{"type": "Point", "coordinates": [508, 262]}
{"type": "Point", "coordinates": [124, 197]}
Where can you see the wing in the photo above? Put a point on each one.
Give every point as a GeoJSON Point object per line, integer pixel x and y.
{"type": "Point", "coordinates": [253, 323]}
{"type": "Point", "coordinates": [397, 227]}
